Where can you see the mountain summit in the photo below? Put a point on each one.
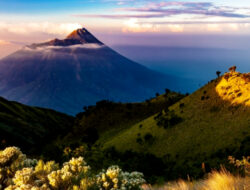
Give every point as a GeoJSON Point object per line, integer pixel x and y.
{"type": "Point", "coordinates": [77, 37]}
{"type": "Point", "coordinates": [77, 71]}
{"type": "Point", "coordinates": [84, 36]}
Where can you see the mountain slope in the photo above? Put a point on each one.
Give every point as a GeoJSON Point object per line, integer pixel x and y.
{"type": "Point", "coordinates": [107, 118]}
{"type": "Point", "coordinates": [30, 128]}
{"type": "Point", "coordinates": [78, 71]}
{"type": "Point", "coordinates": [207, 126]}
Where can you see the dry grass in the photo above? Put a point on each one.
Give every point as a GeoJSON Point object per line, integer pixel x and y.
{"type": "Point", "coordinates": [235, 87]}
{"type": "Point", "coordinates": [222, 180]}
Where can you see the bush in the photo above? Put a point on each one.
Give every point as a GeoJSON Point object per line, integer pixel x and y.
{"type": "Point", "coordinates": [182, 105]}
{"type": "Point", "coordinates": [18, 172]}
{"type": "Point", "coordinates": [115, 178]}
{"type": "Point", "coordinates": [246, 77]}
{"type": "Point", "coordinates": [167, 120]}
{"type": "Point", "coordinates": [242, 166]}
{"type": "Point", "coordinates": [149, 138]}
{"type": "Point", "coordinates": [139, 141]}
{"type": "Point", "coordinates": [214, 109]}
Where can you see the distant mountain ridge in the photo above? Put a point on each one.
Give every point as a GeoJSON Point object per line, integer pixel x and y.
{"type": "Point", "coordinates": [77, 71]}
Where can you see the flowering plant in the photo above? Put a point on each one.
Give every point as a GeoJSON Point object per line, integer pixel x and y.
{"type": "Point", "coordinates": [17, 172]}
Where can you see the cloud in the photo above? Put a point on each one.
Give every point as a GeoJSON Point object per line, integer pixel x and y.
{"type": "Point", "coordinates": [51, 48]}
{"type": "Point", "coordinates": [167, 9]}
{"type": "Point", "coordinates": [3, 42]}
{"type": "Point", "coordinates": [121, 16]}
{"type": "Point", "coordinates": [132, 25]}
{"type": "Point", "coordinates": [175, 28]}
{"type": "Point", "coordinates": [40, 27]}
{"type": "Point", "coordinates": [189, 22]}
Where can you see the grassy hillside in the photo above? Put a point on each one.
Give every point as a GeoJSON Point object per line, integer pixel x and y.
{"type": "Point", "coordinates": [30, 128]}
{"type": "Point", "coordinates": [107, 119]}
{"type": "Point", "coordinates": [207, 126]}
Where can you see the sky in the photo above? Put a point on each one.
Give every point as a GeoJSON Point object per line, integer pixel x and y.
{"type": "Point", "coordinates": [143, 22]}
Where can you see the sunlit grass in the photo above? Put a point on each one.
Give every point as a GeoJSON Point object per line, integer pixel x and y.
{"type": "Point", "coordinates": [234, 87]}
{"type": "Point", "coordinates": [221, 180]}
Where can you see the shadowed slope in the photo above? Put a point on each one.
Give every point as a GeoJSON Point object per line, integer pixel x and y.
{"type": "Point", "coordinates": [30, 127]}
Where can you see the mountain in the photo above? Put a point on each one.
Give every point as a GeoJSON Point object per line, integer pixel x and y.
{"type": "Point", "coordinates": [30, 128]}
{"type": "Point", "coordinates": [77, 71]}
{"type": "Point", "coordinates": [204, 127]}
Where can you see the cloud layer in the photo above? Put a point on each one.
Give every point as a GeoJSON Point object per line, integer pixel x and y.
{"type": "Point", "coordinates": [166, 9]}
{"type": "Point", "coordinates": [41, 27]}
{"type": "Point", "coordinates": [3, 42]}
{"type": "Point", "coordinates": [153, 15]}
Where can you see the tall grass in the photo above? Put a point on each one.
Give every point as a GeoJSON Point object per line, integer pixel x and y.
{"type": "Point", "coordinates": [217, 180]}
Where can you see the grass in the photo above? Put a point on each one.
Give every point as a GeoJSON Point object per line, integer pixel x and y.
{"type": "Point", "coordinates": [108, 119]}
{"type": "Point", "coordinates": [221, 180]}
{"type": "Point", "coordinates": [31, 128]}
{"type": "Point", "coordinates": [212, 128]}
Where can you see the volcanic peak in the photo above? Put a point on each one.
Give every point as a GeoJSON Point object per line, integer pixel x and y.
{"type": "Point", "coordinates": [79, 36]}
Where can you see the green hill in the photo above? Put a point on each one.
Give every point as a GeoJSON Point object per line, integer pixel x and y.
{"type": "Point", "coordinates": [30, 128]}
{"type": "Point", "coordinates": [107, 119]}
{"type": "Point", "coordinates": [207, 126]}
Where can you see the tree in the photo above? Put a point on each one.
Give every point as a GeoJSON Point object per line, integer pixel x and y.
{"type": "Point", "coordinates": [167, 91]}
{"type": "Point", "coordinates": [218, 73]}
{"type": "Point", "coordinates": [232, 69]}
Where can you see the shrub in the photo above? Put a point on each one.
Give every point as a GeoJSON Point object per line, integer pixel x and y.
{"type": "Point", "coordinates": [169, 119]}
{"type": "Point", "coordinates": [242, 166]}
{"type": "Point", "coordinates": [115, 178]}
{"type": "Point", "coordinates": [174, 120]}
{"type": "Point", "coordinates": [226, 76]}
{"type": "Point", "coordinates": [167, 91]}
{"type": "Point", "coordinates": [11, 160]}
{"type": "Point", "coordinates": [182, 105]}
{"type": "Point", "coordinates": [18, 172]}
{"type": "Point", "coordinates": [218, 73]}
{"type": "Point", "coordinates": [139, 141]}
{"type": "Point", "coordinates": [214, 109]}
{"type": "Point", "coordinates": [232, 69]}
{"type": "Point", "coordinates": [149, 138]}
{"type": "Point", "coordinates": [246, 77]}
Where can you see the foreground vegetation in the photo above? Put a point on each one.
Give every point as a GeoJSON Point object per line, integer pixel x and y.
{"type": "Point", "coordinates": [17, 172]}
{"type": "Point", "coordinates": [217, 180]}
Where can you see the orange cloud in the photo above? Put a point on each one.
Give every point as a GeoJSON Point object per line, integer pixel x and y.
{"type": "Point", "coordinates": [132, 25]}
{"type": "Point", "coordinates": [3, 42]}
{"type": "Point", "coordinates": [45, 27]}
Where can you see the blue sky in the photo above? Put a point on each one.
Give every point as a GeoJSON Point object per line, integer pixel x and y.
{"type": "Point", "coordinates": [26, 21]}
